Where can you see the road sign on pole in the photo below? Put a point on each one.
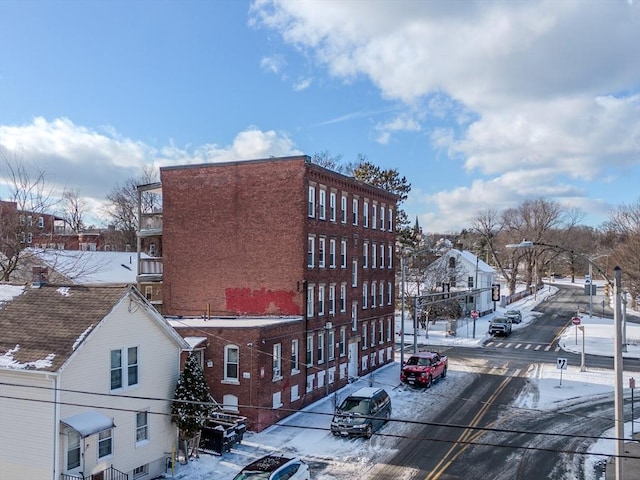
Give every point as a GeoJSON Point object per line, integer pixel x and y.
{"type": "Point", "coordinates": [561, 364]}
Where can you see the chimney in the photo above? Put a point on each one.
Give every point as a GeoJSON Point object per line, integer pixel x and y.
{"type": "Point", "coordinates": [40, 276]}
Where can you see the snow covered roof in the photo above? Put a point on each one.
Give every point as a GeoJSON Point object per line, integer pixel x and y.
{"type": "Point", "coordinates": [472, 259]}
{"type": "Point", "coordinates": [43, 326]}
{"type": "Point", "coordinates": [225, 322]}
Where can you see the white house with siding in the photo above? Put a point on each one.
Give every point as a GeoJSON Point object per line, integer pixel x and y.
{"type": "Point", "coordinates": [86, 378]}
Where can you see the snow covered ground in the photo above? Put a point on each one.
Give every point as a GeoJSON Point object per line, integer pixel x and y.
{"type": "Point", "coordinates": [306, 433]}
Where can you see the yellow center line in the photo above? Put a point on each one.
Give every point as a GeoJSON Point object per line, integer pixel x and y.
{"type": "Point", "coordinates": [468, 435]}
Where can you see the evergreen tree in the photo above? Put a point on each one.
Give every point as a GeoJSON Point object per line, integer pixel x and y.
{"type": "Point", "coordinates": [193, 403]}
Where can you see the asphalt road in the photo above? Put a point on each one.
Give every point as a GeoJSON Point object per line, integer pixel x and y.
{"type": "Point", "coordinates": [478, 435]}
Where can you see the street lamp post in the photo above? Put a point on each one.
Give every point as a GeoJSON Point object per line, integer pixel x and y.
{"type": "Point", "coordinates": [617, 364]}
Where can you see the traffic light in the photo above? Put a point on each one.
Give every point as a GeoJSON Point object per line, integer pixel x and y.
{"type": "Point", "coordinates": [495, 293]}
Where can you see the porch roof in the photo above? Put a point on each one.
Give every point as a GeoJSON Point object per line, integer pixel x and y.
{"type": "Point", "coordinates": [88, 423]}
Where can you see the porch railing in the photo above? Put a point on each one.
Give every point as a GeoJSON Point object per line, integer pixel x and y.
{"type": "Point", "coordinates": [108, 474]}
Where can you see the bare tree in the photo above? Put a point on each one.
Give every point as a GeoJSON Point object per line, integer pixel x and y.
{"type": "Point", "coordinates": [121, 209]}
{"type": "Point", "coordinates": [74, 209]}
{"type": "Point", "coordinates": [28, 200]}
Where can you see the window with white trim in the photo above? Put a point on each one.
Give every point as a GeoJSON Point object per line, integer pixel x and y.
{"type": "Point", "coordinates": [40, 222]}
{"type": "Point", "coordinates": [343, 297]}
{"type": "Point", "coordinates": [389, 256]}
{"type": "Point", "coordinates": [381, 255]}
{"type": "Point", "coordinates": [354, 273]}
{"type": "Point", "coordinates": [365, 214]}
{"type": "Point", "coordinates": [277, 361]}
{"type": "Point", "coordinates": [29, 237]}
{"type": "Point", "coordinates": [141, 471]}
{"type": "Point", "coordinates": [231, 363]}
{"type": "Point", "coordinates": [321, 251]}
{"type": "Point", "coordinates": [311, 252]}
{"type": "Point", "coordinates": [363, 339]}
{"type": "Point", "coordinates": [332, 253]}
{"type": "Point", "coordinates": [320, 300]}
{"type": "Point", "coordinates": [121, 378]}
{"type": "Point", "coordinates": [382, 225]}
{"type": "Point", "coordinates": [295, 356]}
{"type": "Point", "coordinates": [355, 211]}
{"type": "Point", "coordinates": [343, 208]}
{"type": "Point", "coordinates": [332, 206]}
{"type": "Point", "coordinates": [354, 316]}
{"type": "Point", "coordinates": [365, 294]}
{"type": "Point", "coordinates": [142, 426]}
{"type": "Point", "coordinates": [373, 295]}
{"type": "Point", "coordinates": [310, 299]}
{"type": "Point", "coordinates": [388, 329]}
{"type": "Point", "coordinates": [73, 450]}
{"type": "Point", "coordinates": [381, 331]}
{"type": "Point", "coordinates": [331, 344]}
{"type": "Point", "coordinates": [320, 349]}
{"type": "Point", "coordinates": [309, 350]}
{"type": "Point", "coordinates": [342, 349]}
{"type": "Point", "coordinates": [105, 443]}
{"type": "Point", "coordinates": [374, 216]}
{"type": "Point", "coordinates": [276, 400]}
{"type": "Point", "coordinates": [389, 293]}
{"type": "Point", "coordinates": [374, 255]}
{"type": "Point", "coordinates": [390, 220]}
{"type": "Point", "coordinates": [373, 333]}
{"type": "Point", "coordinates": [365, 255]}
{"type": "Point", "coordinates": [322, 204]}
{"type": "Point", "coordinates": [312, 201]}
{"type": "Point", "coordinates": [381, 294]}
{"type": "Point", "coordinates": [332, 299]}
{"type": "Point", "coordinates": [343, 253]}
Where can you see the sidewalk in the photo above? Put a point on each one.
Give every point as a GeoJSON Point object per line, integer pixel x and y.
{"type": "Point", "coordinates": [631, 466]}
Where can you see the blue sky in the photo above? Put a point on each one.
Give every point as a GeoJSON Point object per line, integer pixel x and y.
{"type": "Point", "coordinates": [479, 104]}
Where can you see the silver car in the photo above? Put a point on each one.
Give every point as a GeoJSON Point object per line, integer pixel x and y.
{"type": "Point", "coordinates": [514, 315]}
{"type": "Point", "coordinates": [275, 467]}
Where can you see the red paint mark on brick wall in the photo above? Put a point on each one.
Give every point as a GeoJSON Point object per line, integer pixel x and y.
{"type": "Point", "coordinates": [261, 302]}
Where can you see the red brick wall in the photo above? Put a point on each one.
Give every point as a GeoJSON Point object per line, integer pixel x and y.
{"type": "Point", "coordinates": [232, 236]}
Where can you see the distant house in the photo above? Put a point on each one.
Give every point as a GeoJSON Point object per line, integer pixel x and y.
{"type": "Point", "coordinates": [462, 270]}
{"type": "Point", "coordinates": [86, 375]}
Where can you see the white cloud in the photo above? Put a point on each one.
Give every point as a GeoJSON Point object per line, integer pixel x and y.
{"type": "Point", "coordinates": [101, 160]}
{"type": "Point", "coordinates": [273, 64]}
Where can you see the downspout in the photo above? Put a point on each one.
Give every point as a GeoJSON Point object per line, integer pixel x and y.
{"type": "Point", "coordinates": [56, 426]}
{"type": "Point", "coordinates": [305, 293]}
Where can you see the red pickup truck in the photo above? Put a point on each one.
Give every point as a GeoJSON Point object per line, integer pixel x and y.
{"type": "Point", "coordinates": [422, 368]}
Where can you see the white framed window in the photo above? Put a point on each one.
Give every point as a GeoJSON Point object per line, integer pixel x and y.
{"type": "Point", "coordinates": [309, 350]}
{"type": "Point", "coordinates": [381, 294]}
{"type": "Point", "coordinates": [343, 254]}
{"type": "Point", "coordinates": [148, 292]}
{"type": "Point", "coordinates": [382, 225]}
{"type": "Point", "coordinates": [388, 329]}
{"type": "Point", "coordinates": [332, 206]}
{"type": "Point", "coordinates": [322, 245]}
{"type": "Point", "coordinates": [365, 294]}
{"type": "Point", "coordinates": [354, 316]}
{"type": "Point", "coordinates": [355, 211]}
{"type": "Point", "coordinates": [322, 204]}
{"type": "Point", "coordinates": [343, 297]}
{"type": "Point", "coordinates": [277, 361]}
{"type": "Point", "coordinates": [320, 349]}
{"type": "Point", "coordinates": [343, 208]}
{"type": "Point", "coordinates": [29, 237]}
{"type": "Point", "coordinates": [311, 252]}
{"type": "Point", "coordinates": [73, 450]}
{"type": "Point", "coordinates": [389, 299]}
{"type": "Point", "coordinates": [231, 363]}
{"type": "Point", "coordinates": [373, 295]}
{"type": "Point", "coordinates": [230, 402]}
{"type": "Point", "coordinates": [142, 426]}
{"type": "Point", "coordinates": [23, 220]}
{"type": "Point", "coordinates": [295, 356]}
{"type": "Point", "coordinates": [365, 214]}
{"type": "Point", "coordinates": [381, 331]}
{"type": "Point", "coordinates": [342, 348]}
{"type": "Point", "coordinates": [121, 378]}
{"type": "Point", "coordinates": [374, 255]}
{"type": "Point", "coordinates": [390, 220]}
{"type": "Point", "coordinates": [141, 471]}
{"type": "Point", "coordinates": [29, 221]}
{"type": "Point", "coordinates": [312, 201]}
{"type": "Point", "coordinates": [332, 298]}
{"type": "Point", "coordinates": [374, 216]}
{"type": "Point", "coordinates": [389, 256]}
{"type": "Point", "coordinates": [331, 344]}
{"type": "Point", "coordinates": [365, 255]}
{"type": "Point", "coordinates": [310, 299]}
{"type": "Point", "coordinates": [381, 255]}
{"type": "Point", "coordinates": [40, 222]}
{"type": "Point", "coordinates": [363, 338]}
{"type": "Point", "coordinates": [373, 333]}
{"type": "Point", "coordinates": [105, 443]}
{"type": "Point", "coordinates": [276, 400]}
{"type": "Point", "coordinates": [321, 300]}
{"type": "Point", "coordinates": [310, 379]}
{"type": "Point", "coordinates": [354, 273]}
{"type": "Point", "coordinates": [295, 393]}
{"type": "Point", "coordinates": [332, 253]}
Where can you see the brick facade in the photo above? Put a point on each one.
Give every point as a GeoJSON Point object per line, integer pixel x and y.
{"type": "Point", "coordinates": [268, 239]}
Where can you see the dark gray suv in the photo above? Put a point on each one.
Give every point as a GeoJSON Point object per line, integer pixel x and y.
{"type": "Point", "coordinates": [362, 413]}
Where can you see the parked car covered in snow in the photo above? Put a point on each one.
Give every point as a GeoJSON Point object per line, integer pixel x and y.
{"type": "Point", "coordinates": [422, 368]}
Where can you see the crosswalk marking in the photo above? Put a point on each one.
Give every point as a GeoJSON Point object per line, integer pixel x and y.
{"type": "Point", "coordinates": [524, 346]}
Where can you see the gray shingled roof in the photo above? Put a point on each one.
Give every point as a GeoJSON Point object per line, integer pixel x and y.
{"type": "Point", "coordinates": [51, 320]}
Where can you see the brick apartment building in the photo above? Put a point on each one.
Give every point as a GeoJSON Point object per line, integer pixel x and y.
{"type": "Point", "coordinates": [278, 271]}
